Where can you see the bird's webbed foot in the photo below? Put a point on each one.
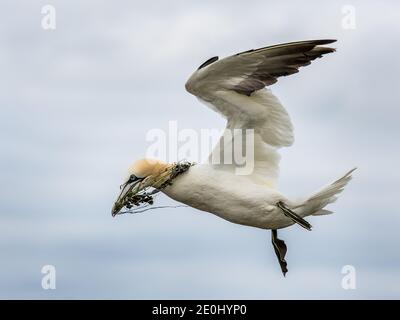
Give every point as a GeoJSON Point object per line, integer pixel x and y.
{"type": "Point", "coordinates": [280, 251]}
{"type": "Point", "coordinates": [294, 216]}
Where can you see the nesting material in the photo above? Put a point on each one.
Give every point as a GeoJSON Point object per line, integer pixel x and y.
{"type": "Point", "coordinates": [142, 195]}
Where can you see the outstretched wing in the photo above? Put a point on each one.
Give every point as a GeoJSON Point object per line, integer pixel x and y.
{"type": "Point", "coordinates": [234, 87]}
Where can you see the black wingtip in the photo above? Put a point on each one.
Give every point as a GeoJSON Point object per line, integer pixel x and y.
{"type": "Point", "coordinates": [325, 41]}
{"type": "Point", "coordinates": [209, 61]}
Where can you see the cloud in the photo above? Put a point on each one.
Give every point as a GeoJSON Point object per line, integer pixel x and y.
{"type": "Point", "coordinates": [77, 103]}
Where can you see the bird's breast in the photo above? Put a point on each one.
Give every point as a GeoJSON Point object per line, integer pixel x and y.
{"type": "Point", "coordinates": [232, 197]}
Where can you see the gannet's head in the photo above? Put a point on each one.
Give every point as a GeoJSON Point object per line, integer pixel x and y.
{"type": "Point", "coordinates": [141, 174]}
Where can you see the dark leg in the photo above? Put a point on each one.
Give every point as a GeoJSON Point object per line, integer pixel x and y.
{"type": "Point", "coordinates": [280, 251]}
{"type": "Point", "coordinates": [294, 216]}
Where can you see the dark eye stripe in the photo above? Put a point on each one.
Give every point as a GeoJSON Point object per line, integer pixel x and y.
{"type": "Point", "coordinates": [132, 178]}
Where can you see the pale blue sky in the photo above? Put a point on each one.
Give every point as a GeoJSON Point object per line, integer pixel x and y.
{"type": "Point", "coordinates": [76, 104]}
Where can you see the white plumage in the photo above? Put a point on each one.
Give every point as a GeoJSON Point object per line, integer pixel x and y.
{"type": "Point", "coordinates": [235, 88]}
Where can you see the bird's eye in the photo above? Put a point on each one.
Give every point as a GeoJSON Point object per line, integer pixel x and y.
{"type": "Point", "coordinates": [132, 178]}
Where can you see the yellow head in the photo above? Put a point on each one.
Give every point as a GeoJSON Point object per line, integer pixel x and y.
{"type": "Point", "coordinates": [141, 174]}
{"type": "Point", "coordinates": [147, 167]}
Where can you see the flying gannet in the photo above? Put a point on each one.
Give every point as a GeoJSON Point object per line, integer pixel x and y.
{"type": "Point", "coordinates": [235, 88]}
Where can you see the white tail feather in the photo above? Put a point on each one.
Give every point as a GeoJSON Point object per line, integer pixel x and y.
{"type": "Point", "coordinates": [314, 204]}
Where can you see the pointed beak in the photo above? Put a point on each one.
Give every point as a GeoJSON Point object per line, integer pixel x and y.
{"type": "Point", "coordinates": [134, 185]}
{"type": "Point", "coordinates": [126, 189]}
{"type": "Point", "coordinates": [115, 209]}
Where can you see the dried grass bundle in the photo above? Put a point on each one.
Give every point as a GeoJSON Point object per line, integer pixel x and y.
{"type": "Point", "coordinates": [141, 197]}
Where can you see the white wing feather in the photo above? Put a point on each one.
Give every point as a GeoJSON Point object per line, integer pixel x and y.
{"type": "Point", "coordinates": [234, 87]}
